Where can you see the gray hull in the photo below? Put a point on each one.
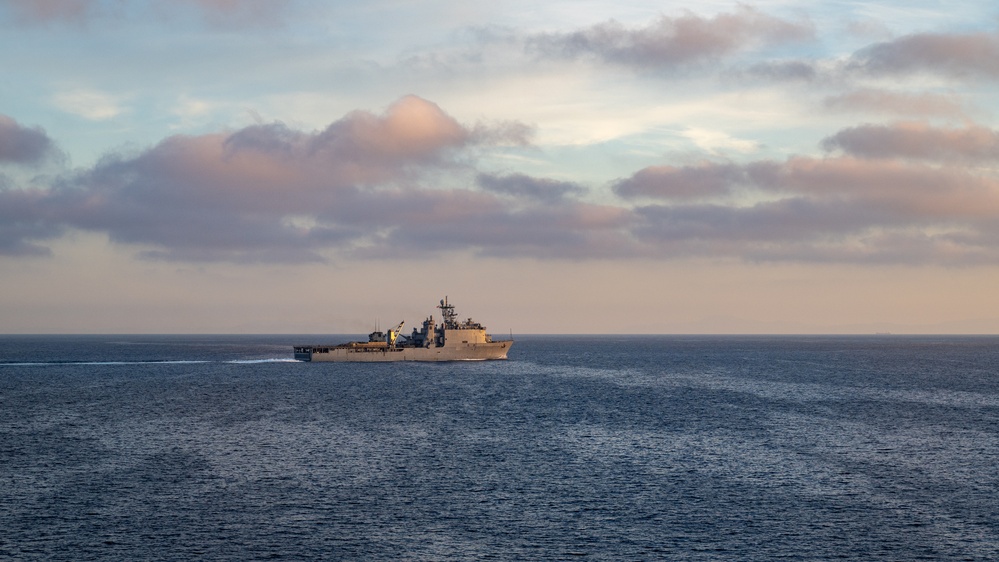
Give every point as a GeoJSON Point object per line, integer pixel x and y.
{"type": "Point", "coordinates": [451, 340]}
{"type": "Point", "coordinates": [461, 352]}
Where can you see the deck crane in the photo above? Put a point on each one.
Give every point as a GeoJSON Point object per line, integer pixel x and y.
{"type": "Point", "coordinates": [393, 334]}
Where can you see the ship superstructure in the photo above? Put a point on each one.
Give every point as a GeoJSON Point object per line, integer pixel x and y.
{"type": "Point", "coordinates": [451, 340]}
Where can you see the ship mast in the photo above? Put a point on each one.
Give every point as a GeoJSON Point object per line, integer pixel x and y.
{"type": "Point", "coordinates": [448, 315]}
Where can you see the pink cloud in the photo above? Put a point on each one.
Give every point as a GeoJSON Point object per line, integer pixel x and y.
{"type": "Point", "coordinates": [365, 186]}
{"type": "Point", "coordinates": [959, 54]}
{"type": "Point", "coordinates": [823, 209]}
{"type": "Point", "coordinates": [908, 191]}
{"type": "Point", "coordinates": [412, 128]}
{"type": "Point", "coordinates": [236, 196]}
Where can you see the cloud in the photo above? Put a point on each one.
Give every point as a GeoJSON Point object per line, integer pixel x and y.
{"type": "Point", "coordinates": [265, 192]}
{"type": "Point", "coordinates": [43, 11]}
{"type": "Point", "coordinates": [896, 103]}
{"type": "Point", "coordinates": [24, 219]}
{"type": "Point", "coordinates": [917, 141]}
{"type": "Point", "coordinates": [953, 54]}
{"type": "Point", "coordinates": [522, 186]}
{"type": "Point", "coordinates": [681, 183]}
{"type": "Point", "coordinates": [368, 186]}
{"type": "Point", "coordinates": [222, 13]}
{"type": "Point", "coordinates": [89, 104]}
{"type": "Point", "coordinates": [906, 191]}
{"type": "Point", "coordinates": [784, 71]}
{"type": "Point", "coordinates": [840, 209]}
{"type": "Point", "coordinates": [490, 227]}
{"type": "Point", "coordinates": [23, 145]}
{"type": "Point", "coordinates": [910, 191]}
{"type": "Point", "coordinates": [240, 13]}
{"type": "Point", "coordinates": [673, 41]}
{"type": "Point", "coordinates": [717, 142]}
{"type": "Point", "coordinates": [810, 231]}
{"type": "Point", "coordinates": [779, 222]}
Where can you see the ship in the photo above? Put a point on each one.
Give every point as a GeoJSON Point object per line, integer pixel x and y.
{"type": "Point", "coordinates": [451, 340]}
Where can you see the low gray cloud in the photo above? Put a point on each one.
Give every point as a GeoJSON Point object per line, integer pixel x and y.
{"type": "Point", "coordinates": [896, 103]}
{"type": "Point", "coordinates": [917, 141]}
{"type": "Point", "coordinates": [902, 185]}
{"type": "Point", "coordinates": [783, 71]}
{"type": "Point", "coordinates": [954, 54]}
{"type": "Point", "coordinates": [23, 145]}
{"type": "Point", "coordinates": [839, 209]}
{"type": "Point", "coordinates": [809, 230]}
{"type": "Point", "coordinates": [789, 220]}
{"type": "Point", "coordinates": [25, 219]}
{"type": "Point", "coordinates": [570, 230]}
{"type": "Point", "coordinates": [520, 185]}
{"type": "Point", "coordinates": [673, 41]}
{"type": "Point", "coordinates": [702, 181]}
{"type": "Point", "coordinates": [221, 13]}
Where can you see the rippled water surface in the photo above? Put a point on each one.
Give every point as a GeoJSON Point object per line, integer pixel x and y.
{"type": "Point", "coordinates": [623, 448]}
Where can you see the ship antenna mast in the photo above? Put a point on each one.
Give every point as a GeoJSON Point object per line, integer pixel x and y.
{"type": "Point", "coordinates": [448, 315]}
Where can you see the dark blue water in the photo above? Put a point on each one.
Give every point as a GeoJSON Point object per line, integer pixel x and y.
{"type": "Point", "coordinates": [602, 448]}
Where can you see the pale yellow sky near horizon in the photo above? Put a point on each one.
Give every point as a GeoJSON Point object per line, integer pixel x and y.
{"type": "Point", "coordinates": [93, 288]}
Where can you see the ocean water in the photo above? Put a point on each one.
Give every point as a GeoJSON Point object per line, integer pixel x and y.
{"type": "Point", "coordinates": [592, 447]}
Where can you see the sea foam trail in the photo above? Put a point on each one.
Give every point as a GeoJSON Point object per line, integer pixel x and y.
{"type": "Point", "coordinates": [255, 361]}
{"type": "Point", "coordinates": [153, 362]}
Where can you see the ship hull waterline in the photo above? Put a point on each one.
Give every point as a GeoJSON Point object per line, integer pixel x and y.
{"type": "Point", "coordinates": [470, 352]}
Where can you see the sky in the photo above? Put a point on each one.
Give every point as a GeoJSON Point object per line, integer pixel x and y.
{"type": "Point", "coordinates": [585, 166]}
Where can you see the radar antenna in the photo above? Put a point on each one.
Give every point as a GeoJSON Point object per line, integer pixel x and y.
{"type": "Point", "coordinates": [448, 315]}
